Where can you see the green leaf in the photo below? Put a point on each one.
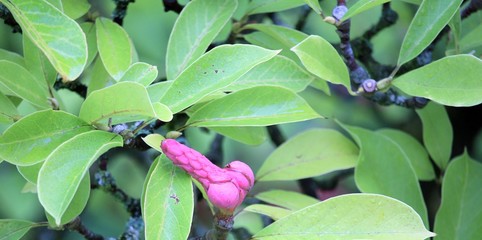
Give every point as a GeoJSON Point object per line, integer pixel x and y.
{"type": "Point", "coordinates": [361, 6]}
{"type": "Point", "coordinates": [30, 173]}
{"type": "Point", "coordinates": [452, 81]}
{"type": "Point", "coordinates": [97, 77]}
{"type": "Point", "coordinates": [437, 133]}
{"type": "Point", "coordinates": [246, 135]}
{"type": "Point", "coordinates": [275, 37]}
{"type": "Point", "coordinates": [12, 57]}
{"type": "Point", "coordinates": [157, 90]}
{"type": "Point", "coordinates": [351, 216]}
{"type": "Point", "coordinates": [31, 139]}
{"type": "Point", "coordinates": [297, 159]}
{"type": "Point", "coordinates": [315, 5]}
{"type": "Point", "coordinates": [321, 59]}
{"type": "Point", "coordinates": [79, 201]}
{"type": "Point", "coordinates": [37, 63]}
{"type": "Point", "coordinates": [430, 19]}
{"type": "Point", "coordinates": [154, 141]}
{"type": "Point", "coordinates": [63, 170]}
{"type": "Point", "coordinates": [168, 202]}
{"type": "Point", "coordinates": [455, 25]}
{"type": "Point", "coordinates": [23, 84]}
{"type": "Point", "coordinates": [61, 40]}
{"type": "Point", "coordinates": [140, 72]}
{"type": "Point", "coordinates": [8, 111]}
{"type": "Point", "coordinates": [75, 8]}
{"type": "Point", "coordinates": [287, 199]}
{"type": "Point", "coordinates": [278, 71]}
{"type": "Point", "coordinates": [273, 212]}
{"type": "Point", "coordinates": [188, 41]}
{"type": "Point", "coordinates": [415, 152]}
{"type": "Point", "coordinates": [146, 181]}
{"type": "Point", "coordinates": [14, 229]}
{"type": "Point", "coordinates": [459, 215]}
{"type": "Point", "coordinates": [114, 102]}
{"type": "Point", "coordinates": [91, 37]}
{"type": "Point", "coordinates": [213, 71]}
{"type": "Point", "coordinates": [265, 6]}
{"type": "Point", "coordinates": [472, 39]}
{"type": "Point", "coordinates": [384, 168]}
{"type": "Point", "coordinates": [257, 106]}
{"type": "Point", "coordinates": [114, 47]}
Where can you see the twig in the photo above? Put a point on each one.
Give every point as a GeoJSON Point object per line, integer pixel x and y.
{"type": "Point", "coordinates": [172, 5]}
{"type": "Point", "coordinates": [472, 7]}
{"type": "Point", "coordinates": [76, 225]}
{"type": "Point", "coordinates": [120, 10]}
{"type": "Point", "coordinates": [8, 19]}
{"type": "Point", "coordinates": [74, 86]}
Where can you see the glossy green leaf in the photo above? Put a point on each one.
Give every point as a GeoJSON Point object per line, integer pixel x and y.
{"type": "Point", "coordinates": [287, 199]}
{"type": "Point", "coordinates": [437, 133]}
{"type": "Point", "coordinates": [246, 135]}
{"type": "Point", "coordinates": [114, 47]}
{"type": "Point", "coordinates": [455, 25]}
{"type": "Point", "coordinates": [258, 106]}
{"type": "Point", "coordinates": [61, 40]}
{"type": "Point", "coordinates": [8, 111]}
{"type": "Point", "coordinates": [384, 168]}
{"type": "Point", "coordinates": [265, 6]}
{"type": "Point", "coordinates": [140, 72]}
{"type": "Point", "coordinates": [315, 5]}
{"type": "Point", "coordinates": [75, 8]}
{"type": "Point", "coordinates": [278, 71]}
{"type": "Point", "coordinates": [157, 90]}
{"type": "Point", "coordinates": [37, 63]}
{"type": "Point", "coordinates": [275, 37]}
{"type": "Point", "coordinates": [146, 181]}
{"type": "Point", "coordinates": [97, 77]}
{"type": "Point", "coordinates": [79, 201]}
{"type": "Point", "coordinates": [472, 39]}
{"type": "Point", "coordinates": [63, 170]}
{"type": "Point", "coordinates": [415, 152]}
{"type": "Point", "coordinates": [31, 139]}
{"type": "Point", "coordinates": [322, 59]}
{"type": "Point", "coordinates": [213, 71]}
{"type": "Point", "coordinates": [30, 172]}
{"type": "Point", "coordinates": [196, 27]}
{"type": "Point", "coordinates": [430, 19]}
{"type": "Point", "coordinates": [113, 102]}
{"type": "Point", "coordinates": [12, 57]}
{"type": "Point", "coordinates": [154, 141]}
{"type": "Point", "coordinates": [168, 202]}
{"type": "Point", "coordinates": [91, 37]}
{"type": "Point", "coordinates": [273, 212]}
{"type": "Point", "coordinates": [298, 159]}
{"type": "Point", "coordinates": [452, 81]}
{"type": "Point", "coordinates": [23, 84]}
{"type": "Point", "coordinates": [361, 6]}
{"type": "Point", "coordinates": [351, 216]}
{"type": "Point", "coordinates": [459, 215]}
{"type": "Point", "coordinates": [14, 229]}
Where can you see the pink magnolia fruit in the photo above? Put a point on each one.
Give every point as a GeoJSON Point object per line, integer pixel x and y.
{"type": "Point", "coordinates": [226, 187]}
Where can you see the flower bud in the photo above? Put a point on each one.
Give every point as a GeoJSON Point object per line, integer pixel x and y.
{"type": "Point", "coordinates": [226, 187]}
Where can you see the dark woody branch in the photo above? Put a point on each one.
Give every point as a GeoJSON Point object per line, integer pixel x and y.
{"type": "Point", "coordinates": [172, 5]}
{"type": "Point", "coordinates": [120, 10]}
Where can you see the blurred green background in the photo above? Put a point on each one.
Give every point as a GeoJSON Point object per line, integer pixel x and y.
{"type": "Point", "coordinates": [149, 28]}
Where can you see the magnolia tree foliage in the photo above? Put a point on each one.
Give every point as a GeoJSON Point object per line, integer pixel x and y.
{"type": "Point", "coordinates": [78, 97]}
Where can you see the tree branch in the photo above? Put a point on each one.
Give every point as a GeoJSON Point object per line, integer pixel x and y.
{"type": "Point", "coordinates": [8, 19]}
{"type": "Point", "coordinates": [172, 5]}
{"type": "Point", "coordinates": [120, 10]}
{"type": "Point", "coordinates": [76, 225]}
